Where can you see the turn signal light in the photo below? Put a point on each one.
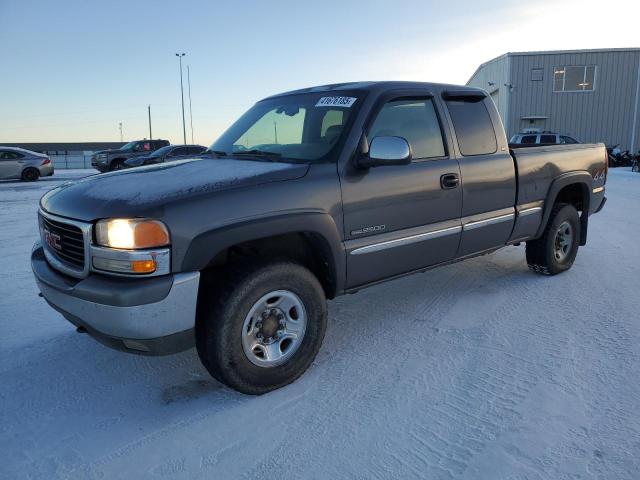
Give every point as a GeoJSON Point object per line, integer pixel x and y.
{"type": "Point", "coordinates": [143, 266]}
{"type": "Point", "coordinates": [124, 266]}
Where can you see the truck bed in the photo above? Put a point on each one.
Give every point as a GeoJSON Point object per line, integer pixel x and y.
{"type": "Point", "coordinates": [539, 166]}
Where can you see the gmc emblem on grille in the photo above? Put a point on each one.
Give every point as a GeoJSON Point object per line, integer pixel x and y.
{"type": "Point", "coordinates": [52, 239]}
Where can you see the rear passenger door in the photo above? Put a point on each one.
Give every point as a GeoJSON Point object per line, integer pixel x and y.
{"type": "Point", "coordinates": [402, 218]}
{"type": "Point", "coordinates": [487, 169]}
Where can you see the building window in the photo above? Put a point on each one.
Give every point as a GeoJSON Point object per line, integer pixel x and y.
{"type": "Point", "coordinates": [536, 74]}
{"type": "Point", "coordinates": [574, 78]}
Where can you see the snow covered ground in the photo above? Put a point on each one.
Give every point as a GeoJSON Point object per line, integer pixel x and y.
{"type": "Point", "coordinates": [479, 370]}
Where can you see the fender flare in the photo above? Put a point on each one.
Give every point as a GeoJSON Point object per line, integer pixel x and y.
{"type": "Point", "coordinates": [582, 178]}
{"type": "Point", "coordinates": [205, 246]}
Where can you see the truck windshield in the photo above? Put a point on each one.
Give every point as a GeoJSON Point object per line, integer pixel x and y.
{"type": "Point", "coordinates": [302, 127]}
{"type": "Point", "coordinates": [128, 146]}
{"type": "Point", "coordinates": [161, 151]}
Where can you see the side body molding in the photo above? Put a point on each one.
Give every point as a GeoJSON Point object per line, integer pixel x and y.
{"type": "Point", "coordinates": [204, 247]}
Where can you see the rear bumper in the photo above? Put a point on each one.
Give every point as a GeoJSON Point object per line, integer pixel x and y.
{"type": "Point", "coordinates": [46, 170]}
{"type": "Point", "coordinates": [151, 316]}
{"type": "Point", "coordinates": [598, 199]}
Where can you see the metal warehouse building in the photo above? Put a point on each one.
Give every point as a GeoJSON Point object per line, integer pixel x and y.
{"type": "Point", "coordinates": [591, 95]}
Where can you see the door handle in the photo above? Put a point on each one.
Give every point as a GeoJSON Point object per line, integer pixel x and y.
{"type": "Point", "coordinates": [449, 181]}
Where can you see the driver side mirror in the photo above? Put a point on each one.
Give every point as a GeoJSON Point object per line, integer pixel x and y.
{"type": "Point", "coordinates": [386, 150]}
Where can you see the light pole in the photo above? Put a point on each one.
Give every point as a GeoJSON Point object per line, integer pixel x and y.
{"type": "Point", "coordinates": [150, 134]}
{"type": "Point", "coordinates": [190, 109]}
{"type": "Point", "coordinates": [120, 127]}
{"type": "Point", "coordinates": [184, 128]}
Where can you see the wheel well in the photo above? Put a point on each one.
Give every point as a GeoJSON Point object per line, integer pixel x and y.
{"type": "Point", "coordinates": [307, 248]}
{"type": "Point", "coordinates": [576, 194]}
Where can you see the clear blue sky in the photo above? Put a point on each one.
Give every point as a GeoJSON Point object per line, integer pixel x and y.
{"type": "Point", "coordinates": [71, 70]}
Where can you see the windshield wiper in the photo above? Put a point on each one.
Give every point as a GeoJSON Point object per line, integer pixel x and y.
{"type": "Point", "coordinates": [257, 152]}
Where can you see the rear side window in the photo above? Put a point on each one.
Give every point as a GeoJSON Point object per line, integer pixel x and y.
{"type": "Point", "coordinates": [414, 120]}
{"type": "Point", "coordinates": [568, 140]}
{"type": "Point", "coordinates": [529, 139]}
{"type": "Point", "coordinates": [473, 127]}
{"type": "Point", "coordinates": [547, 139]}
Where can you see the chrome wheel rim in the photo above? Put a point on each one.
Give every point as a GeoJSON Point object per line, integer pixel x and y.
{"type": "Point", "coordinates": [274, 328]}
{"type": "Point", "coordinates": [563, 241]}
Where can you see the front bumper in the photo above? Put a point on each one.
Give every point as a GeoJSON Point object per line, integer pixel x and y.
{"type": "Point", "coordinates": [152, 316]}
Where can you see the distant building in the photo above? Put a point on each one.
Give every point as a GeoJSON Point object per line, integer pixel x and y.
{"type": "Point", "coordinates": [591, 95]}
{"type": "Point", "coordinates": [68, 154]}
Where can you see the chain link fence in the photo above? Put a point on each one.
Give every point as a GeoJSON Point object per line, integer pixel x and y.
{"type": "Point", "coordinates": [66, 160]}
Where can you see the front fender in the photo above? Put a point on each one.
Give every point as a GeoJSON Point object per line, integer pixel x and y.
{"type": "Point", "coordinates": [204, 248]}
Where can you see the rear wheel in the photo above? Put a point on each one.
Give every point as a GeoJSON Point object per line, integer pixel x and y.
{"type": "Point", "coordinates": [260, 327]}
{"type": "Point", "coordinates": [30, 174]}
{"type": "Point", "coordinates": [556, 250]}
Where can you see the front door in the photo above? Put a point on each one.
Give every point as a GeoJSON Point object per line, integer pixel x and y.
{"type": "Point", "coordinates": [402, 218]}
{"type": "Point", "coordinates": [10, 164]}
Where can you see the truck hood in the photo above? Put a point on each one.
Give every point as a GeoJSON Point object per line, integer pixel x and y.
{"type": "Point", "coordinates": [113, 150]}
{"type": "Point", "coordinates": [144, 191]}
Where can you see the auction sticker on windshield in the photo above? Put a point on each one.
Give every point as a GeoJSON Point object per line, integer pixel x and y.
{"type": "Point", "coordinates": [344, 102]}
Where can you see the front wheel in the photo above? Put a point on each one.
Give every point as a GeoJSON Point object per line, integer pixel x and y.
{"type": "Point", "coordinates": [116, 165]}
{"type": "Point", "coordinates": [260, 327]}
{"type": "Point", "coordinates": [555, 251]}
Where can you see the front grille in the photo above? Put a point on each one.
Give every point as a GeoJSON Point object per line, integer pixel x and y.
{"type": "Point", "coordinates": [64, 241]}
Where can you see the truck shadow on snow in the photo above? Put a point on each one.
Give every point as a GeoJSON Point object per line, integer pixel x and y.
{"type": "Point", "coordinates": [100, 373]}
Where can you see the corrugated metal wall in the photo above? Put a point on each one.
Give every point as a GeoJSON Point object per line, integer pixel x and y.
{"type": "Point", "coordinates": [602, 115]}
{"type": "Point", "coordinates": [605, 114]}
{"type": "Point", "coordinates": [497, 73]}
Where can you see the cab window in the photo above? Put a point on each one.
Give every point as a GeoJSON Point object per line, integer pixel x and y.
{"type": "Point", "coordinates": [473, 127]}
{"type": "Point", "coordinates": [416, 121]}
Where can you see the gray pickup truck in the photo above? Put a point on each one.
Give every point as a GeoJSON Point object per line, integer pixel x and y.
{"type": "Point", "coordinates": [309, 195]}
{"type": "Point", "coordinates": [110, 160]}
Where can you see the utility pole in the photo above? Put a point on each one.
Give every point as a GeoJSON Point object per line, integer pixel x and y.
{"type": "Point", "coordinates": [184, 128]}
{"type": "Point", "coordinates": [190, 110]}
{"type": "Point", "coordinates": [120, 127]}
{"type": "Point", "coordinates": [150, 134]}
{"type": "Point", "coordinates": [275, 132]}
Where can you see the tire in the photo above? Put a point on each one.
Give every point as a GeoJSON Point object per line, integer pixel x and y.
{"type": "Point", "coordinates": [555, 251]}
{"type": "Point", "coordinates": [116, 165]}
{"type": "Point", "coordinates": [30, 174]}
{"type": "Point", "coordinates": [230, 312]}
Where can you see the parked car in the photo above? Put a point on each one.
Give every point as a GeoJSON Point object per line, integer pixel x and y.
{"type": "Point", "coordinates": [166, 154]}
{"type": "Point", "coordinates": [362, 183]}
{"type": "Point", "coordinates": [542, 138]}
{"type": "Point", "coordinates": [109, 160]}
{"type": "Point", "coordinates": [24, 164]}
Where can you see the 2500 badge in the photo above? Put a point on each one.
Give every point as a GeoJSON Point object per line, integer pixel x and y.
{"type": "Point", "coordinates": [373, 229]}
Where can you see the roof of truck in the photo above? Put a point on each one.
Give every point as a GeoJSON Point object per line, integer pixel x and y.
{"type": "Point", "coordinates": [379, 86]}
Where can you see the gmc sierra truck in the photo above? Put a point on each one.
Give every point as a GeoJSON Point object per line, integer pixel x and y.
{"type": "Point", "coordinates": [309, 195]}
{"type": "Point", "coordinates": [110, 160]}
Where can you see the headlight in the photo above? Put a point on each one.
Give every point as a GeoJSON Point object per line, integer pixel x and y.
{"type": "Point", "coordinates": [131, 233]}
